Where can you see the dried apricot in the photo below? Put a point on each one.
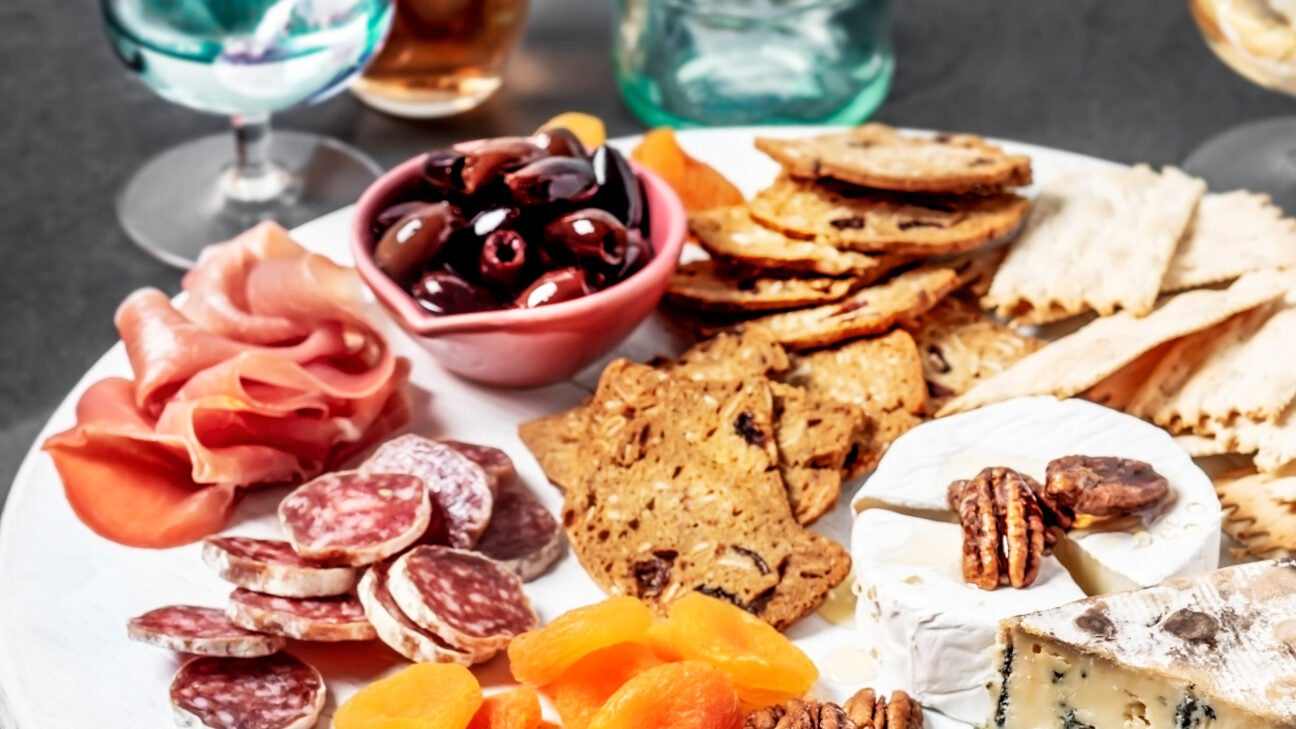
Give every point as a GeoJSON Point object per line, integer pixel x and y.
{"type": "Point", "coordinates": [582, 689]}
{"type": "Point", "coordinates": [698, 184]}
{"type": "Point", "coordinates": [539, 656]}
{"type": "Point", "coordinates": [518, 708]}
{"type": "Point", "coordinates": [588, 128]}
{"type": "Point", "coordinates": [686, 695]}
{"type": "Point", "coordinates": [764, 665]}
{"type": "Point", "coordinates": [422, 696]}
{"type": "Point", "coordinates": [659, 639]}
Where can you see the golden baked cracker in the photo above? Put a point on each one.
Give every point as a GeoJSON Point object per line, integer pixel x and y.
{"type": "Point", "coordinates": [697, 285]}
{"type": "Point", "coordinates": [1119, 389]}
{"type": "Point", "coordinates": [747, 351]}
{"type": "Point", "coordinates": [556, 441]}
{"type": "Point", "coordinates": [878, 156]}
{"type": "Point", "coordinates": [871, 310]}
{"type": "Point", "coordinates": [1096, 239]}
{"type": "Point", "coordinates": [1231, 234]}
{"type": "Point", "coordinates": [1078, 361]}
{"type": "Point", "coordinates": [882, 222]}
{"type": "Point", "coordinates": [731, 235]}
{"type": "Point", "coordinates": [976, 269]}
{"type": "Point", "coordinates": [1259, 512]}
{"type": "Point", "coordinates": [1240, 367]}
{"type": "Point", "coordinates": [960, 347]}
{"type": "Point", "coordinates": [815, 435]}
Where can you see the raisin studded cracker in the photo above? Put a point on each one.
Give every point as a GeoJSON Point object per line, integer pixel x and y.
{"type": "Point", "coordinates": [698, 285]}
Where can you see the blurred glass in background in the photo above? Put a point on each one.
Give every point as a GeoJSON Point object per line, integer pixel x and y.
{"type": "Point", "coordinates": [712, 62]}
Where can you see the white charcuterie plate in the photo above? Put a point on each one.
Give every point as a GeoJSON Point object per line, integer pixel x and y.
{"type": "Point", "coordinates": [65, 593]}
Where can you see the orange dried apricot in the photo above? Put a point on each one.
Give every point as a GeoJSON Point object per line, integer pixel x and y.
{"type": "Point", "coordinates": [582, 690]}
{"type": "Point", "coordinates": [588, 128]}
{"type": "Point", "coordinates": [686, 695]}
{"type": "Point", "coordinates": [518, 708]}
{"type": "Point", "coordinates": [764, 665]}
{"type": "Point", "coordinates": [540, 656]}
{"type": "Point", "coordinates": [698, 184]}
{"type": "Point", "coordinates": [659, 639]}
{"type": "Point", "coordinates": [422, 696]}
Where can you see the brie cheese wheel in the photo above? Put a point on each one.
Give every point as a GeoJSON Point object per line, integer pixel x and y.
{"type": "Point", "coordinates": [934, 634]}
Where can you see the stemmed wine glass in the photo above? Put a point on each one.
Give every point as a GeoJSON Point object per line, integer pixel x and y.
{"type": "Point", "coordinates": [244, 59]}
{"type": "Point", "coordinates": [1257, 39]}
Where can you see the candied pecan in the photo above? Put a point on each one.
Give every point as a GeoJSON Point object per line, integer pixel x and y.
{"type": "Point", "coordinates": [976, 512]}
{"type": "Point", "coordinates": [903, 712]}
{"type": "Point", "coordinates": [1003, 528]}
{"type": "Point", "coordinates": [1105, 486]}
{"type": "Point", "coordinates": [870, 711]}
{"type": "Point", "coordinates": [797, 714]}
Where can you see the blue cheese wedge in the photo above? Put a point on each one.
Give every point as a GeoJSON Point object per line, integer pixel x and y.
{"type": "Point", "coordinates": [1214, 652]}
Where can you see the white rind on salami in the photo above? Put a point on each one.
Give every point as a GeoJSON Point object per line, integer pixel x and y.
{"type": "Point", "coordinates": [457, 484]}
{"type": "Point", "coordinates": [202, 631]}
{"type": "Point", "coordinates": [469, 601]}
{"type": "Point", "coordinates": [271, 566]}
{"type": "Point", "coordinates": [400, 633]}
{"type": "Point", "coordinates": [321, 619]}
{"type": "Point", "coordinates": [522, 534]}
{"type": "Point", "coordinates": [356, 518]}
{"type": "Point", "coordinates": [495, 462]}
{"type": "Point", "coordinates": [272, 692]}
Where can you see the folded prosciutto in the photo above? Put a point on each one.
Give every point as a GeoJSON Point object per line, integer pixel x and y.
{"type": "Point", "coordinates": [268, 372]}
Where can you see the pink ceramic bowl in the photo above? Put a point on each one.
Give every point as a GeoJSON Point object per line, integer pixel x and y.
{"type": "Point", "coordinates": [524, 347]}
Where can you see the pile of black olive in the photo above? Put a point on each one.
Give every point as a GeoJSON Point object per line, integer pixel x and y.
{"type": "Point", "coordinates": [515, 222]}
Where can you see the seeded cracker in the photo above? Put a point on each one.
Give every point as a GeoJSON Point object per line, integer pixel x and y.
{"type": "Point", "coordinates": [878, 156]}
{"type": "Point", "coordinates": [884, 222]}
{"type": "Point", "coordinates": [1259, 512]}
{"type": "Point", "coordinates": [697, 285]}
{"type": "Point", "coordinates": [1078, 361]}
{"type": "Point", "coordinates": [1231, 234]}
{"type": "Point", "coordinates": [1097, 240]}
{"type": "Point", "coordinates": [730, 235]}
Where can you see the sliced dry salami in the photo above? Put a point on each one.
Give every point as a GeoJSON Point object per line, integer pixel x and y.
{"type": "Point", "coordinates": [272, 566]}
{"type": "Point", "coordinates": [403, 635]}
{"type": "Point", "coordinates": [356, 518]}
{"type": "Point", "coordinates": [202, 631]}
{"type": "Point", "coordinates": [470, 601]}
{"type": "Point", "coordinates": [273, 692]}
{"type": "Point", "coordinates": [495, 462]}
{"type": "Point", "coordinates": [319, 619]}
{"type": "Point", "coordinates": [522, 534]}
{"type": "Point", "coordinates": [458, 485]}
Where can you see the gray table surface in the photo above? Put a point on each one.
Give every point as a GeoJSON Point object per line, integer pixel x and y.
{"type": "Point", "coordinates": [1130, 81]}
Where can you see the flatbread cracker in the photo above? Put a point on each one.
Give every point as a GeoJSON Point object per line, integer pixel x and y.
{"type": "Point", "coordinates": [731, 235]}
{"type": "Point", "coordinates": [1097, 240]}
{"type": "Point", "coordinates": [871, 310]}
{"type": "Point", "coordinates": [1259, 512]}
{"type": "Point", "coordinates": [1119, 389]}
{"type": "Point", "coordinates": [882, 222]}
{"type": "Point", "coordinates": [878, 156]}
{"type": "Point", "coordinates": [698, 285]}
{"type": "Point", "coordinates": [1078, 361]}
{"type": "Point", "coordinates": [1231, 234]}
{"type": "Point", "coordinates": [1199, 446]}
{"type": "Point", "coordinates": [1272, 441]}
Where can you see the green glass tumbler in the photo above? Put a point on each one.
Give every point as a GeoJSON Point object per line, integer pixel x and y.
{"type": "Point", "coordinates": [687, 63]}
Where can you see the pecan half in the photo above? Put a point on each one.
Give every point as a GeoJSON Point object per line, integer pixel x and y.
{"type": "Point", "coordinates": [1021, 524]}
{"type": "Point", "coordinates": [870, 711]}
{"type": "Point", "coordinates": [1003, 528]}
{"type": "Point", "coordinates": [973, 501]}
{"type": "Point", "coordinates": [1104, 486]}
{"type": "Point", "coordinates": [797, 714]}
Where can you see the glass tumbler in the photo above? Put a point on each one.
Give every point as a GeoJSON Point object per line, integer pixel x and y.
{"type": "Point", "coordinates": [725, 62]}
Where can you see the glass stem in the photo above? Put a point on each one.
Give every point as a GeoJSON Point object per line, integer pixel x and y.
{"type": "Point", "coordinates": [254, 178]}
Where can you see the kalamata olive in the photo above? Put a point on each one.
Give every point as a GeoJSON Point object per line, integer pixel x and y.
{"type": "Point", "coordinates": [618, 186]}
{"type": "Point", "coordinates": [563, 284]}
{"type": "Point", "coordinates": [442, 171]}
{"type": "Point", "coordinates": [492, 219]}
{"type": "Point", "coordinates": [551, 180]}
{"type": "Point", "coordinates": [590, 234]}
{"type": "Point", "coordinates": [485, 162]}
{"type": "Point", "coordinates": [559, 142]}
{"type": "Point", "coordinates": [503, 257]}
{"type": "Point", "coordinates": [387, 218]}
{"type": "Point", "coordinates": [442, 292]}
{"type": "Point", "coordinates": [416, 239]}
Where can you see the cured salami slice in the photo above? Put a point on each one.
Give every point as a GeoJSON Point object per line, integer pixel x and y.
{"type": "Point", "coordinates": [470, 601]}
{"type": "Point", "coordinates": [495, 462]}
{"type": "Point", "coordinates": [273, 692]}
{"type": "Point", "coordinates": [403, 635]}
{"type": "Point", "coordinates": [272, 566]}
{"type": "Point", "coordinates": [457, 484]}
{"type": "Point", "coordinates": [321, 619]}
{"type": "Point", "coordinates": [522, 534]}
{"type": "Point", "coordinates": [356, 518]}
{"type": "Point", "coordinates": [201, 631]}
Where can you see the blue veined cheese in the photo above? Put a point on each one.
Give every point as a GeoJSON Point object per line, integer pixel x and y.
{"type": "Point", "coordinates": [1213, 652]}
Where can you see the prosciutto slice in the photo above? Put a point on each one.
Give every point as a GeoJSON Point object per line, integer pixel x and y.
{"type": "Point", "coordinates": [268, 372]}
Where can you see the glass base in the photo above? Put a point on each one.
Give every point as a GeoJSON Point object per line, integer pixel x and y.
{"type": "Point", "coordinates": [1259, 156]}
{"type": "Point", "coordinates": [428, 101]}
{"type": "Point", "coordinates": [176, 204]}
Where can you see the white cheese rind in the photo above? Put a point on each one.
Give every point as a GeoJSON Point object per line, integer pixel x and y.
{"type": "Point", "coordinates": [933, 632]}
{"type": "Point", "coordinates": [1178, 538]}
